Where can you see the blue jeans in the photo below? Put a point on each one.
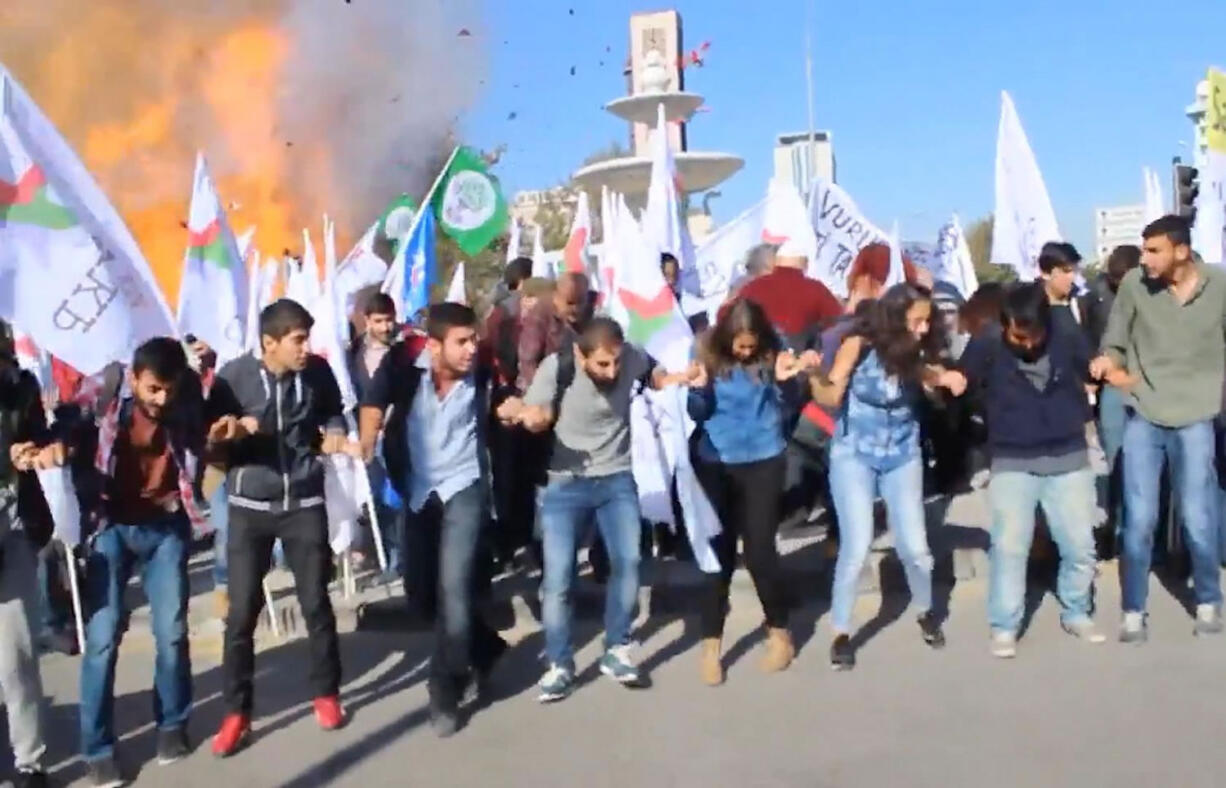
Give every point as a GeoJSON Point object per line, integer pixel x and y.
{"type": "Point", "coordinates": [160, 550]}
{"type": "Point", "coordinates": [854, 485]}
{"type": "Point", "coordinates": [1112, 418]}
{"type": "Point", "coordinates": [1068, 502]}
{"type": "Point", "coordinates": [567, 505]}
{"type": "Point", "coordinates": [219, 516]}
{"type": "Point", "coordinates": [1190, 450]}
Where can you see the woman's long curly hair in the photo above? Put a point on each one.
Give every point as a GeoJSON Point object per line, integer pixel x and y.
{"type": "Point", "coordinates": [883, 325]}
{"type": "Point", "coordinates": [741, 317]}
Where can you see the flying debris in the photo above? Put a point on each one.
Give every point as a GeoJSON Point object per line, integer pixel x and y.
{"type": "Point", "coordinates": [464, 33]}
{"type": "Point", "coordinates": [513, 116]}
{"type": "Point", "coordinates": [572, 71]}
{"type": "Point", "coordinates": [696, 57]}
{"type": "Point", "coordinates": [289, 144]}
{"type": "Point", "coordinates": [492, 157]}
{"type": "Point", "coordinates": [572, 12]}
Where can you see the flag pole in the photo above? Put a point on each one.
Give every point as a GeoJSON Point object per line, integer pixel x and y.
{"type": "Point", "coordinates": [74, 588]}
{"type": "Point", "coordinates": [425, 205]}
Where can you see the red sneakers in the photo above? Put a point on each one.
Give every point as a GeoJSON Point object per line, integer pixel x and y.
{"type": "Point", "coordinates": [328, 713]}
{"type": "Point", "coordinates": [234, 732]}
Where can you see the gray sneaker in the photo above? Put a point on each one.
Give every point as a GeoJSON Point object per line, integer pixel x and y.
{"type": "Point", "coordinates": [618, 665]}
{"type": "Point", "coordinates": [1208, 620]}
{"type": "Point", "coordinates": [1004, 645]}
{"type": "Point", "coordinates": [1084, 629]}
{"type": "Point", "coordinates": [558, 684]}
{"type": "Point", "coordinates": [1133, 629]}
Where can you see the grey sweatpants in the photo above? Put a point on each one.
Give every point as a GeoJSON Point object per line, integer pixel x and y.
{"type": "Point", "coordinates": [20, 680]}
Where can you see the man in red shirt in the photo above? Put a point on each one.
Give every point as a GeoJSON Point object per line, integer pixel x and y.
{"type": "Point", "coordinates": [798, 306]}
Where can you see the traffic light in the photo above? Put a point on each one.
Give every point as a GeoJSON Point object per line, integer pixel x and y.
{"type": "Point", "coordinates": [1187, 188]}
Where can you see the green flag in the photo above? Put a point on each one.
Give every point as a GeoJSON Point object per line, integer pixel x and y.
{"type": "Point", "coordinates": [469, 204]}
{"type": "Point", "coordinates": [397, 220]}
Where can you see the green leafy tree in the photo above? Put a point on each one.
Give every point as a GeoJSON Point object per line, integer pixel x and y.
{"type": "Point", "coordinates": [979, 241]}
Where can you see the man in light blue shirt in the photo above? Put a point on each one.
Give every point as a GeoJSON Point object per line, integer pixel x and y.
{"type": "Point", "coordinates": [435, 442]}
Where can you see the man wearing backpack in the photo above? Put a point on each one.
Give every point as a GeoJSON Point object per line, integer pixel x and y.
{"type": "Point", "coordinates": [583, 393]}
{"type": "Point", "coordinates": [437, 455]}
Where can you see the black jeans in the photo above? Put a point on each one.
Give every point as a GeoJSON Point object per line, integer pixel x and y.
{"type": "Point", "coordinates": [455, 535]}
{"type": "Point", "coordinates": [747, 498]}
{"type": "Point", "coordinates": [304, 534]}
{"type": "Point", "coordinates": [517, 458]}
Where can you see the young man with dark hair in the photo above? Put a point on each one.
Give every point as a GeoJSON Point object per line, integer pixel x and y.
{"type": "Point", "coordinates": [583, 394]}
{"type": "Point", "coordinates": [276, 414]}
{"type": "Point", "coordinates": [366, 353]}
{"type": "Point", "coordinates": [150, 438]}
{"type": "Point", "coordinates": [1033, 377]}
{"type": "Point", "coordinates": [1165, 343]}
{"type": "Point", "coordinates": [437, 455]}
{"type": "Point", "coordinates": [25, 527]}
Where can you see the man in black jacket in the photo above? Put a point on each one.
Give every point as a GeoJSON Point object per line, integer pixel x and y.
{"type": "Point", "coordinates": [277, 414]}
{"type": "Point", "coordinates": [25, 526]}
{"type": "Point", "coordinates": [1033, 375]}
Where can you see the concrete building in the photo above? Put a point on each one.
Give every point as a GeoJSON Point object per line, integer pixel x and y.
{"type": "Point", "coordinates": [524, 205]}
{"type": "Point", "coordinates": [797, 158]}
{"type": "Point", "coordinates": [1116, 226]}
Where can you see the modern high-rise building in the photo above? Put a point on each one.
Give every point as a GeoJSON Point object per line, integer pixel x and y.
{"type": "Point", "coordinates": [798, 158]}
{"type": "Point", "coordinates": [1117, 226]}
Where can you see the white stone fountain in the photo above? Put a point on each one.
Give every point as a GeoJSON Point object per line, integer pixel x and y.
{"type": "Point", "coordinates": [630, 175]}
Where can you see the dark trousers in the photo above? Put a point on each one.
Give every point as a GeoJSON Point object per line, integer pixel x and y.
{"type": "Point", "coordinates": [747, 498]}
{"type": "Point", "coordinates": [304, 534]}
{"type": "Point", "coordinates": [518, 457]}
{"type": "Point", "coordinates": [454, 534]}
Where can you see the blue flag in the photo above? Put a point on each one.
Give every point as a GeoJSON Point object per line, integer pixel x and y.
{"type": "Point", "coordinates": [417, 258]}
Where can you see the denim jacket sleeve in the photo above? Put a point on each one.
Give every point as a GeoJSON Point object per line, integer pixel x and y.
{"type": "Point", "coordinates": [701, 403]}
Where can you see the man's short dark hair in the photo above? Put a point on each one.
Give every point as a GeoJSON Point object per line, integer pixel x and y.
{"type": "Point", "coordinates": [1058, 254]}
{"type": "Point", "coordinates": [1027, 307]}
{"type": "Point", "coordinates": [516, 272]}
{"type": "Point", "coordinates": [1176, 228]}
{"type": "Point", "coordinates": [380, 304]}
{"type": "Point", "coordinates": [441, 318]}
{"type": "Point", "coordinates": [601, 332]}
{"type": "Point", "coordinates": [162, 357]}
{"type": "Point", "coordinates": [283, 317]}
{"type": "Point", "coordinates": [1122, 260]}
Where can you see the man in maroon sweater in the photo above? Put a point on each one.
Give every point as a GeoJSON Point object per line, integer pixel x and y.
{"type": "Point", "coordinates": [798, 306]}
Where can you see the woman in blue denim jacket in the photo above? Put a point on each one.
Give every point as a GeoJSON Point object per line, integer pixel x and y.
{"type": "Point", "coordinates": [880, 372]}
{"type": "Point", "coordinates": [735, 399]}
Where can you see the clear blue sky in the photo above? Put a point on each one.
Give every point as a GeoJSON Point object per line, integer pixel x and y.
{"type": "Point", "coordinates": [910, 88]}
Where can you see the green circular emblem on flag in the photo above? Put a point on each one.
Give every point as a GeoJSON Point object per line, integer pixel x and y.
{"type": "Point", "coordinates": [398, 222]}
{"type": "Point", "coordinates": [469, 201]}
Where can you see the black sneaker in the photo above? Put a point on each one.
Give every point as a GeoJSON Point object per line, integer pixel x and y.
{"type": "Point", "coordinates": [103, 773]}
{"type": "Point", "coordinates": [31, 779]}
{"type": "Point", "coordinates": [444, 718]}
{"type": "Point", "coordinates": [842, 655]}
{"type": "Point", "coordinates": [172, 746]}
{"type": "Point", "coordinates": [930, 630]}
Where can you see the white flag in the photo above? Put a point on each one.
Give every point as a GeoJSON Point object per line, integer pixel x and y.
{"type": "Point", "coordinates": [841, 231]}
{"type": "Point", "coordinates": [326, 337]}
{"type": "Point", "coordinates": [576, 257]}
{"type": "Point", "coordinates": [71, 274]}
{"type": "Point", "coordinates": [361, 268]}
{"type": "Point", "coordinates": [1154, 206]}
{"type": "Point", "coordinates": [1024, 218]}
{"type": "Point", "coordinates": [255, 286]}
{"type": "Point", "coordinates": [244, 242]}
{"type": "Point", "coordinates": [61, 495]}
{"type": "Point", "coordinates": [898, 272]}
{"type": "Point", "coordinates": [456, 292]}
{"type": "Point", "coordinates": [214, 290]}
{"type": "Point", "coordinates": [952, 262]}
{"type": "Point", "coordinates": [663, 223]}
{"type": "Point", "coordinates": [513, 241]}
{"type": "Point", "coordinates": [541, 268]}
{"type": "Point", "coordinates": [786, 222]}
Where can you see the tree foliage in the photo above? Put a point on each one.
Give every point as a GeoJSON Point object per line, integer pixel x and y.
{"type": "Point", "coordinates": [979, 241]}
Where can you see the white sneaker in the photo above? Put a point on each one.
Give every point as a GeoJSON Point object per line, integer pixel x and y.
{"type": "Point", "coordinates": [1004, 645]}
{"type": "Point", "coordinates": [1208, 620]}
{"type": "Point", "coordinates": [1084, 629]}
{"type": "Point", "coordinates": [1132, 628]}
